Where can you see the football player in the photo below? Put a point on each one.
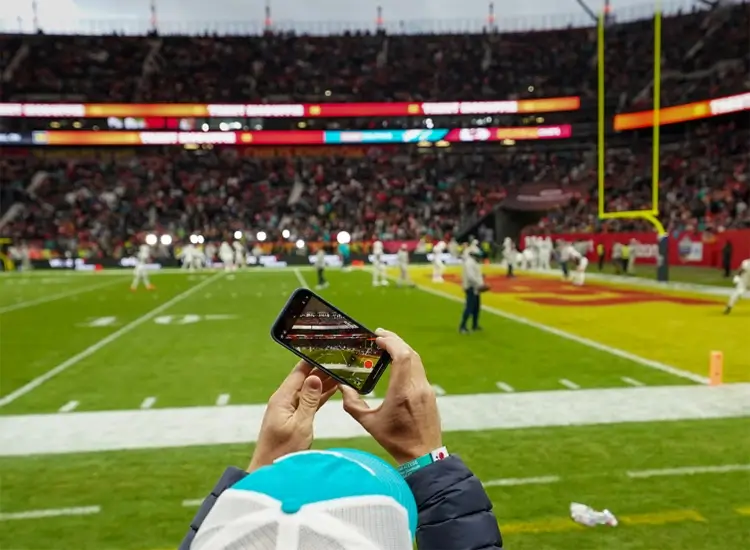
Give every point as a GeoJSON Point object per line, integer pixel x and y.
{"type": "Point", "coordinates": [403, 266]}
{"type": "Point", "coordinates": [227, 255]}
{"type": "Point", "coordinates": [378, 267]}
{"type": "Point", "coordinates": [140, 274]}
{"type": "Point", "coordinates": [581, 262]}
{"type": "Point", "coordinates": [742, 283]}
{"type": "Point", "coordinates": [438, 267]}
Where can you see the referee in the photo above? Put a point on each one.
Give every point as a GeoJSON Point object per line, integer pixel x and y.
{"type": "Point", "coordinates": [473, 285]}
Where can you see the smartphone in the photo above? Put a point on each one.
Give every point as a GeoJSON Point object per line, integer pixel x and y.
{"type": "Point", "coordinates": [330, 340]}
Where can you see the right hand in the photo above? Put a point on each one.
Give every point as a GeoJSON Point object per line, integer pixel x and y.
{"type": "Point", "coordinates": [407, 422]}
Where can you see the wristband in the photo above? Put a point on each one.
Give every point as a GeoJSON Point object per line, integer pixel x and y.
{"type": "Point", "coordinates": [409, 468]}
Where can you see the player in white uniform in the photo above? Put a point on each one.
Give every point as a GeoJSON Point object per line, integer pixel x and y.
{"type": "Point", "coordinates": [210, 253]}
{"type": "Point", "coordinates": [320, 266]}
{"type": "Point", "coordinates": [141, 273]}
{"type": "Point", "coordinates": [239, 254]}
{"type": "Point", "coordinates": [742, 284]}
{"type": "Point", "coordinates": [438, 267]}
{"type": "Point", "coordinates": [579, 274]}
{"type": "Point", "coordinates": [453, 248]}
{"type": "Point", "coordinates": [403, 267]}
{"type": "Point", "coordinates": [378, 267]}
{"type": "Point", "coordinates": [187, 254]}
{"type": "Point", "coordinates": [226, 254]}
{"type": "Point", "coordinates": [199, 258]}
{"type": "Point", "coordinates": [530, 254]}
{"type": "Point", "coordinates": [631, 259]}
{"type": "Point", "coordinates": [545, 253]}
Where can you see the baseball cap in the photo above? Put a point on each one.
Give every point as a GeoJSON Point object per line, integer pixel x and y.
{"type": "Point", "coordinates": [339, 499]}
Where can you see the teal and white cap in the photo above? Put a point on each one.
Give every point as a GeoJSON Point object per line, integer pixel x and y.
{"type": "Point", "coordinates": [339, 499]}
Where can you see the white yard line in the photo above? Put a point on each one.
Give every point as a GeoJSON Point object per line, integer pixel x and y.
{"type": "Point", "coordinates": [689, 471]}
{"type": "Point", "coordinates": [580, 339]}
{"type": "Point", "coordinates": [148, 402]}
{"type": "Point", "coordinates": [569, 384]}
{"type": "Point", "coordinates": [222, 400]}
{"type": "Point", "coordinates": [22, 435]}
{"type": "Point", "coordinates": [55, 512]}
{"type": "Point", "coordinates": [504, 387]}
{"type": "Point", "coordinates": [192, 502]}
{"type": "Point", "coordinates": [632, 381]}
{"type": "Point", "coordinates": [513, 481]}
{"type": "Point", "coordinates": [439, 391]}
{"type": "Point", "coordinates": [300, 278]}
{"type": "Point", "coordinates": [69, 406]}
{"type": "Point", "coordinates": [62, 367]}
{"type": "Point", "coordinates": [59, 296]}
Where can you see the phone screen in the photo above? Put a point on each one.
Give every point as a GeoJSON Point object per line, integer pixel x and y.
{"type": "Point", "coordinates": [331, 340]}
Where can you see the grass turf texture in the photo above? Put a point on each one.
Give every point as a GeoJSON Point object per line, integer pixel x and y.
{"type": "Point", "coordinates": [141, 492]}
{"type": "Point", "coordinates": [214, 340]}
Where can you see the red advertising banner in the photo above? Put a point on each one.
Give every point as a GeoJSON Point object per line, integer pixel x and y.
{"type": "Point", "coordinates": [690, 248]}
{"type": "Point", "coordinates": [292, 110]}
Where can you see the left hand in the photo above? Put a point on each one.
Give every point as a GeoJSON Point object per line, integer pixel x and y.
{"type": "Point", "coordinates": [287, 425]}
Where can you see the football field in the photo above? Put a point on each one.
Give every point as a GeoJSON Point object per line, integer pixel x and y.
{"type": "Point", "coordinates": [119, 409]}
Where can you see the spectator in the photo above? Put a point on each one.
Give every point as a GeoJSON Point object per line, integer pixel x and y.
{"type": "Point", "coordinates": [454, 512]}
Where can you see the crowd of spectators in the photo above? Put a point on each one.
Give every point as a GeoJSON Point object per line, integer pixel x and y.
{"type": "Point", "coordinates": [101, 203]}
{"type": "Point", "coordinates": [380, 67]}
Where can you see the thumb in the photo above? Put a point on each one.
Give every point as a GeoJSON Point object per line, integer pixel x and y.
{"type": "Point", "coordinates": [353, 403]}
{"type": "Point", "coordinates": [309, 397]}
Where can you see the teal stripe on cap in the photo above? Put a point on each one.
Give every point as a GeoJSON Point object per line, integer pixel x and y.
{"type": "Point", "coordinates": [317, 476]}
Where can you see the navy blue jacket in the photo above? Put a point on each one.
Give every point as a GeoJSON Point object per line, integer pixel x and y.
{"type": "Point", "coordinates": [454, 511]}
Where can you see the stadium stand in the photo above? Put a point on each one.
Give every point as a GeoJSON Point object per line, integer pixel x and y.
{"type": "Point", "coordinates": [98, 201]}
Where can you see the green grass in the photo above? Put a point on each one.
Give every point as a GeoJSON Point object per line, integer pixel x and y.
{"type": "Point", "coordinates": [183, 358]}
{"type": "Point", "coordinates": [141, 492]}
{"type": "Point", "coordinates": [235, 355]}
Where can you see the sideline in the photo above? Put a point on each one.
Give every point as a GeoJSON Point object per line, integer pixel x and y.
{"type": "Point", "coordinates": [44, 434]}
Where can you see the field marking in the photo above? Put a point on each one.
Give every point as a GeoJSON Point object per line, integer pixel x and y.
{"type": "Point", "coordinates": [59, 296]}
{"type": "Point", "coordinates": [222, 400]}
{"type": "Point", "coordinates": [68, 407]}
{"type": "Point", "coordinates": [51, 513]}
{"type": "Point", "coordinates": [148, 402]}
{"type": "Point", "coordinates": [439, 391]}
{"type": "Point", "coordinates": [504, 387]}
{"type": "Point", "coordinates": [569, 384]}
{"type": "Point", "coordinates": [579, 339]}
{"type": "Point", "coordinates": [661, 518]}
{"type": "Point", "coordinates": [22, 435]}
{"type": "Point", "coordinates": [689, 471]}
{"type": "Point", "coordinates": [300, 278]}
{"type": "Point", "coordinates": [632, 381]}
{"type": "Point", "coordinates": [514, 481]}
{"type": "Point", "coordinates": [39, 380]}
{"type": "Point", "coordinates": [192, 502]}
{"type": "Point", "coordinates": [743, 511]}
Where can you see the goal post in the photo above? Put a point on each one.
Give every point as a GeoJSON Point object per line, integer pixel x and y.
{"type": "Point", "coordinates": [650, 215]}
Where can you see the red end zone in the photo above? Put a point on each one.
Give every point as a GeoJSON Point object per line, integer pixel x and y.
{"type": "Point", "coordinates": [552, 292]}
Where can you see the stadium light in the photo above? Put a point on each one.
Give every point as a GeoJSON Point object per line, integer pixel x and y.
{"type": "Point", "coordinates": [300, 244]}
{"type": "Point", "coordinates": [166, 240]}
{"type": "Point", "coordinates": [238, 234]}
{"type": "Point", "coordinates": [151, 239]}
{"type": "Point", "coordinates": [200, 239]}
{"type": "Point", "coordinates": [285, 233]}
{"type": "Point", "coordinates": [344, 237]}
{"type": "Point", "coordinates": [194, 239]}
{"type": "Point", "coordinates": [261, 236]}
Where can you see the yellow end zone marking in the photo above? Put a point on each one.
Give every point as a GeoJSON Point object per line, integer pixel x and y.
{"type": "Point", "coordinates": [660, 518]}
{"type": "Point", "coordinates": [556, 525]}
{"type": "Point", "coordinates": [744, 511]}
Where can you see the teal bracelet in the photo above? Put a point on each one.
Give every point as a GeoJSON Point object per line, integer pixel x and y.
{"type": "Point", "coordinates": [410, 467]}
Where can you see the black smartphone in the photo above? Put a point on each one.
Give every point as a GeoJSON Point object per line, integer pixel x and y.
{"type": "Point", "coordinates": [330, 340]}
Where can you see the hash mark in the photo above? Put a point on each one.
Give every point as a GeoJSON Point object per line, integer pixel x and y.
{"type": "Point", "coordinates": [222, 400]}
{"type": "Point", "coordinates": [570, 385]}
{"type": "Point", "coordinates": [69, 406]}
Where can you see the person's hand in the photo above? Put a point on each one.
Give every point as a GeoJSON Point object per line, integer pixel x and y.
{"type": "Point", "coordinates": [407, 422]}
{"type": "Point", "coordinates": [287, 425]}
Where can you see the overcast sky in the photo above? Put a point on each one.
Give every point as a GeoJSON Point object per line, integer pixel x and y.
{"type": "Point", "coordinates": [306, 15]}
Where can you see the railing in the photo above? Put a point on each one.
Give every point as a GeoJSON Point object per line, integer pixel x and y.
{"type": "Point", "coordinates": [140, 24]}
